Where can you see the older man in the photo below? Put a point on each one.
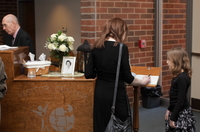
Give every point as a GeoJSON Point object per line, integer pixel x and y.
{"type": "Point", "coordinates": [15, 36]}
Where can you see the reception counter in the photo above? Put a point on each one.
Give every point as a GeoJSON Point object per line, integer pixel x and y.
{"type": "Point", "coordinates": [44, 104]}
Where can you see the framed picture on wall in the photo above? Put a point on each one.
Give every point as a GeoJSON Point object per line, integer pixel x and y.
{"type": "Point", "coordinates": [68, 65]}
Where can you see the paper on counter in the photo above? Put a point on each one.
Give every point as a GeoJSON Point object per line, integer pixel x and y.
{"type": "Point", "coordinates": [32, 56]}
{"type": "Point", "coordinates": [154, 79]}
{"type": "Point", "coordinates": [42, 57]}
{"type": "Point", "coordinates": [6, 47]}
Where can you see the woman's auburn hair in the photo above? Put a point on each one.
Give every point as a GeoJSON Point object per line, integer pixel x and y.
{"type": "Point", "coordinates": [115, 28]}
{"type": "Point", "coordinates": [180, 59]}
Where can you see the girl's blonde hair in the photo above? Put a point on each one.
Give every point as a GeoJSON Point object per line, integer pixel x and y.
{"type": "Point", "coordinates": [115, 28]}
{"type": "Point", "coordinates": [180, 59]}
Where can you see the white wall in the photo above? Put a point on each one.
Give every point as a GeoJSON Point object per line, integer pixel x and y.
{"type": "Point", "coordinates": [51, 17]}
{"type": "Point", "coordinates": [195, 91]}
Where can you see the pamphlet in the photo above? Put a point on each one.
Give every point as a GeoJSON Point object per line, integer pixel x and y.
{"type": "Point", "coordinates": [154, 79]}
{"type": "Point", "coordinates": [6, 47]}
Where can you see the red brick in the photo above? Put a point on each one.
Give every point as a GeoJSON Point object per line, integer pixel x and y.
{"type": "Point", "coordinates": [146, 27]}
{"type": "Point", "coordinates": [150, 32]}
{"type": "Point", "coordinates": [140, 33]}
{"type": "Point", "coordinates": [129, 21]}
{"type": "Point", "coordinates": [102, 10]}
{"type": "Point", "coordinates": [167, 37]}
{"type": "Point", "coordinates": [178, 36]}
{"type": "Point", "coordinates": [180, 6]}
{"type": "Point", "coordinates": [173, 42]}
{"type": "Point", "coordinates": [143, 60]}
{"type": "Point", "coordinates": [134, 61]}
{"type": "Point", "coordinates": [134, 4]}
{"type": "Point", "coordinates": [174, 1]}
{"type": "Point", "coordinates": [87, 4]}
{"type": "Point", "coordinates": [87, 28]}
{"type": "Point", "coordinates": [150, 22]}
{"type": "Point", "coordinates": [146, 16]}
{"type": "Point", "coordinates": [106, 16]}
{"type": "Point", "coordinates": [139, 55]}
{"type": "Point", "coordinates": [87, 22]}
{"type": "Point", "coordinates": [127, 10]}
{"type": "Point", "coordinates": [88, 16]}
{"type": "Point", "coordinates": [147, 5]}
{"type": "Point", "coordinates": [168, 5]}
{"type": "Point", "coordinates": [134, 27]}
{"type": "Point", "coordinates": [174, 11]}
{"type": "Point", "coordinates": [134, 16]}
{"type": "Point", "coordinates": [140, 0]}
{"type": "Point", "coordinates": [107, 4]}
{"type": "Point", "coordinates": [167, 26]}
{"type": "Point", "coordinates": [140, 21]}
{"type": "Point", "coordinates": [101, 22]}
{"type": "Point", "coordinates": [146, 38]}
{"type": "Point", "coordinates": [121, 4]}
{"type": "Point", "coordinates": [114, 10]}
{"type": "Point", "coordinates": [140, 10]}
{"type": "Point", "coordinates": [167, 47]}
{"type": "Point", "coordinates": [87, 10]}
{"type": "Point", "coordinates": [133, 50]}
{"type": "Point", "coordinates": [179, 26]}
{"type": "Point", "coordinates": [123, 16]}
{"type": "Point", "coordinates": [182, 41]}
{"type": "Point", "coordinates": [133, 38]}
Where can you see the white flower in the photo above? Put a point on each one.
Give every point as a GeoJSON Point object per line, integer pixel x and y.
{"type": "Point", "coordinates": [62, 37]}
{"type": "Point", "coordinates": [59, 44]}
{"type": "Point", "coordinates": [71, 47]}
{"type": "Point", "coordinates": [53, 37]}
{"type": "Point", "coordinates": [62, 48]}
{"type": "Point", "coordinates": [71, 39]}
{"type": "Point", "coordinates": [51, 46]}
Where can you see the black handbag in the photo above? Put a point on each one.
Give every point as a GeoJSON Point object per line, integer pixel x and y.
{"type": "Point", "coordinates": [115, 124]}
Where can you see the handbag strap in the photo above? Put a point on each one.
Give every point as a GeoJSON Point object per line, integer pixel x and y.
{"type": "Point", "coordinates": [117, 77]}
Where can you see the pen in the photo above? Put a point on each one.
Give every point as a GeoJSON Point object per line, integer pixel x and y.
{"type": "Point", "coordinates": [149, 75]}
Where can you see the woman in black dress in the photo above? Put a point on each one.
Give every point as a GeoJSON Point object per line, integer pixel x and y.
{"type": "Point", "coordinates": [179, 116]}
{"type": "Point", "coordinates": [102, 64]}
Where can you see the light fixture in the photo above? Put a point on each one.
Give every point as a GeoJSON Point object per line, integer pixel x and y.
{"type": "Point", "coordinates": [85, 48]}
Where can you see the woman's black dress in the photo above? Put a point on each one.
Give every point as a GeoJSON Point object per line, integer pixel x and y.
{"type": "Point", "coordinates": [102, 64]}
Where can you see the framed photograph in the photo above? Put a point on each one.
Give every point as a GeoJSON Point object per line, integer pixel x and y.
{"type": "Point", "coordinates": [68, 65]}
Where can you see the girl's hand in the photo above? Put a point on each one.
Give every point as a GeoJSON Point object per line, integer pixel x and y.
{"type": "Point", "coordinates": [167, 115]}
{"type": "Point", "coordinates": [172, 124]}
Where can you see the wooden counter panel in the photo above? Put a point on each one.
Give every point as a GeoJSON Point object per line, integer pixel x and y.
{"type": "Point", "coordinates": [12, 60]}
{"type": "Point", "coordinates": [46, 106]}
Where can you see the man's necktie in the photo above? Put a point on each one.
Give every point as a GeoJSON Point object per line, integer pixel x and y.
{"type": "Point", "coordinates": [13, 40]}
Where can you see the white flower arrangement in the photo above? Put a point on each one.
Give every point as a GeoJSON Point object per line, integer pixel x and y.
{"type": "Point", "coordinates": [59, 45]}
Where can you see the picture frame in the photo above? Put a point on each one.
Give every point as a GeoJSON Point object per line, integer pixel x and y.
{"type": "Point", "coordinates": [68, 65]}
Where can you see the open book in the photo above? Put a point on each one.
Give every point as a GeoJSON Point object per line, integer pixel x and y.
{"type": "Point", "coordinates": [154, 79]}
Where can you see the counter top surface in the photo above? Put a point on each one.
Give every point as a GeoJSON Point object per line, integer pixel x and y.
{"type": "Point", "coordinates": [41, 78]}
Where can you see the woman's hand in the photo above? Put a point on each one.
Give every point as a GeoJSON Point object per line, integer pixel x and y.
{"type": "Point", "coordinates": [141, 82]}
{"type": "Point", "coordinates": [146, 80]}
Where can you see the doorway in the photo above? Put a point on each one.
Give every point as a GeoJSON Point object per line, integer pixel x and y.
{"type": "Point", "coordinates": [26, 16]}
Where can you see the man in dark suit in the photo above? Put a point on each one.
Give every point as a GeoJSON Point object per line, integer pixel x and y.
{"type": "Point", "coordinates": [15, 36]}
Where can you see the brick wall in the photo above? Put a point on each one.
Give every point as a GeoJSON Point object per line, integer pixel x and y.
{"type": "Point", "coordinates": [6, 7]}
{"type": "Point", "coordinates": [139, 15]}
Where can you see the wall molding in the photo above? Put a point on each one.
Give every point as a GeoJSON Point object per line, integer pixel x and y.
{"type": "Point", "coordinates": [195, 54]}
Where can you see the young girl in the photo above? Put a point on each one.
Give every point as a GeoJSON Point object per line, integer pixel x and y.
{"type": "Point", "coordinates": [179, 116]}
